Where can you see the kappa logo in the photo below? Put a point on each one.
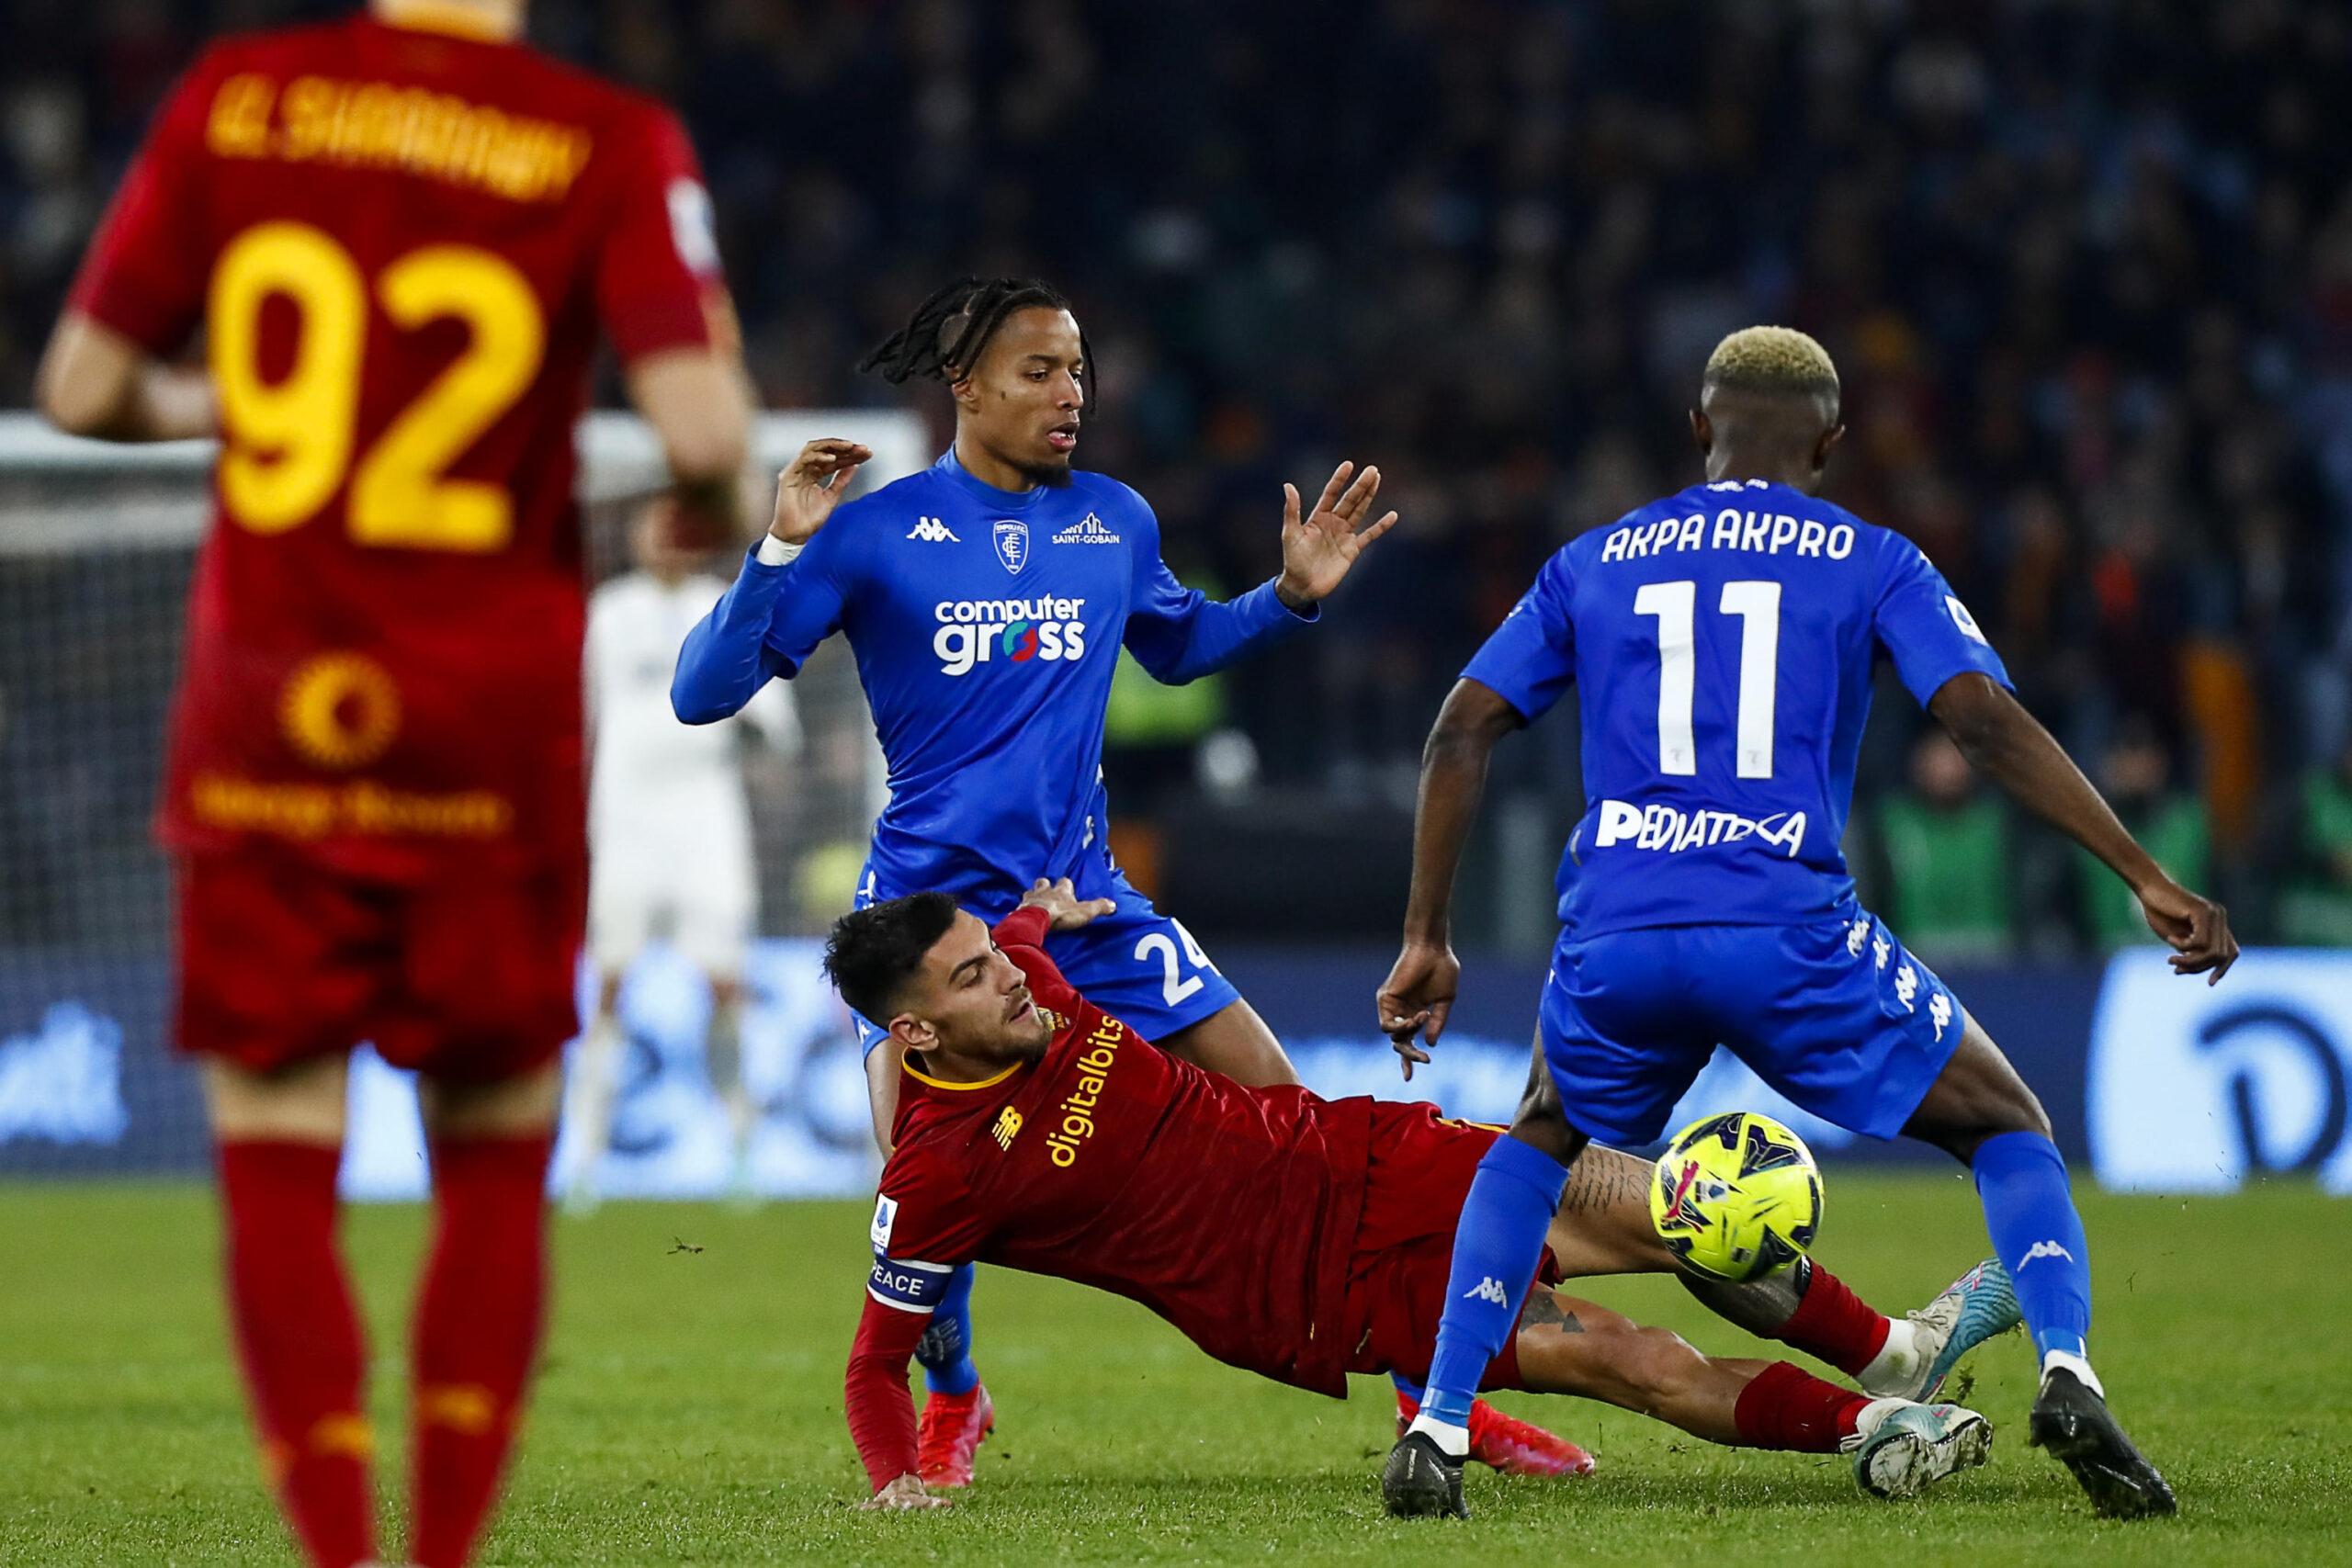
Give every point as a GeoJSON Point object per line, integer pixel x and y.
{"type": "Point", "coordinates": [1088, 530]}
{"type": "Point", "coordinates": [1011, 536]}
{"type": "Point", "coordinates": [934, 531]}
{"type": "Point", "coordinates": [1488, 1290]}
{"type": "Point", "coordinates": [1007, 1128]}
{"type": "Point", "coordinates": [2043, 1249]}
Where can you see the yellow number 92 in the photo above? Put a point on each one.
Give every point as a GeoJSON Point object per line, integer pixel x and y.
{"type": "Point", "coordinates": [287, 442]}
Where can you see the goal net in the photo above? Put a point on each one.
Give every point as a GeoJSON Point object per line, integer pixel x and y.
{"type": "Point", "coordinates": [96, 544]}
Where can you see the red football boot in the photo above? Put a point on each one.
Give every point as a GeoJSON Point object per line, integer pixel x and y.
{"type": "Point", "coordinates": [953, 1426]}
{"type": "Point", "coordinates": [1507, 1444]}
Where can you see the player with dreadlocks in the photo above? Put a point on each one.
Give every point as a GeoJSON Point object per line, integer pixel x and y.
{"type": "Point", "coordinates": [986, 600]}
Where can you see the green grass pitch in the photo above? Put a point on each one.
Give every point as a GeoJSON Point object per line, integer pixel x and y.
{"type": "Point", "coordinates": [690, 1410]}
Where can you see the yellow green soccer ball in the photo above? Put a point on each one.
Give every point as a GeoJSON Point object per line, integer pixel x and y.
{"type": "Point", "coordinates": [1736, 1196]}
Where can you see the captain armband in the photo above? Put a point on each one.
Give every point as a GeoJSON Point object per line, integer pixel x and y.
{"type": "Point", "coordinates": [910, 1287]}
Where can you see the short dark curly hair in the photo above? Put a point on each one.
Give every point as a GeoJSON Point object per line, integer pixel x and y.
{"type": "Point", "coordinates": [874, 951]}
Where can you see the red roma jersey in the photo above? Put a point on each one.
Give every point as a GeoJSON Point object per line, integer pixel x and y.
{"type": "Point", "coordinates": [399, 245]}
{"type": "Point", "coordinates": [1230, 1211]}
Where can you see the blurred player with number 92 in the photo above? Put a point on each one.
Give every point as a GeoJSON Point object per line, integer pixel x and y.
{"type": "Point", "coordinates": [400, 233]}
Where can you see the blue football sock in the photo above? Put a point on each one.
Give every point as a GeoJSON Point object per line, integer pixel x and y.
{"type": "Point", "coordinates": [1496, 1245]}
{"type": "Point", "coordinates": [945, 1350]}
{"type": "Point", "coordinates": [2021, 1179]}
{"type": "Point", "coordinates": [1407, 1386]}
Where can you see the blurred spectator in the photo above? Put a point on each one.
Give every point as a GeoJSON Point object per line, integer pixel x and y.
{"type": "Point", "coordinates": [1947, 848]}
{"type": "Point", "coordinates": [1151, 732]}
{"type": "Point", "coordinates": [2136, 775]}
{"type": "Point", "coordinates": [2087, 269]}
{"type": "Point", "coordinates": [2317, 907]}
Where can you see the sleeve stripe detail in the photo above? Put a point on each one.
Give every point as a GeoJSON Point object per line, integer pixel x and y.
{"type": "Point", "coordinates": [894, 1302]}
{"type": "Point", "coordinates": [910, 1263]}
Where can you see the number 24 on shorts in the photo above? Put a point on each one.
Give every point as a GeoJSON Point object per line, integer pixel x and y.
{"type": "Point", "coordinates": [1174, 986]}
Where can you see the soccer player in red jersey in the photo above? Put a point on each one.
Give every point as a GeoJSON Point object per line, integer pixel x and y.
{"type": "Point", "coordinates": [401, 233]}
{"type": "Point", "coordinates": [1298, 1238]}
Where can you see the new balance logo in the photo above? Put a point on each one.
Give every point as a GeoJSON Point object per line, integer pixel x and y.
{"type": "Point", "coordinates": [933, 530]}
{"type": "Point", "coordinates": [2043, 1249]}
{"type": "Point", "coordinates": [1488, 1290]}
{"type": "Point", "coordinates": [1007, 1128]}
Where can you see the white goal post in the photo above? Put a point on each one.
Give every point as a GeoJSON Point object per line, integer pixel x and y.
{"type": "Point", "coordinates": [96, 544]}
{"type": "Point", "coordinates": [620, 459]}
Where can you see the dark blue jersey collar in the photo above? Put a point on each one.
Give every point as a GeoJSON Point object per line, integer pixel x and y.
{"type": "Point", "coordinates": [952, 469]}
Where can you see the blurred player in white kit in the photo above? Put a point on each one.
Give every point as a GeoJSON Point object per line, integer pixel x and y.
{"type": "Point", "coordinates": [669, 834]}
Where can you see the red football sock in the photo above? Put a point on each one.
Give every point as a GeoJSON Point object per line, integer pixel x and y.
{"type": "Point", "coordinates": [1836, 1325]}
{"type": "Point", "coordinates": [1787, 1407]}
{"type": "Point", "coordinates": [299, 1343]}
{"type": "Point", "coordinates": [477, 1332]}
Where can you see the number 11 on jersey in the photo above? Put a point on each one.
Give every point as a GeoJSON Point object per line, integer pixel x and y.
{"type": "Point", "coordinates": [1758, 606]}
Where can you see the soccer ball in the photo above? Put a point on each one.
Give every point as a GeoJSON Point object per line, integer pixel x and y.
{"type": "Point", "coordinates": [1738, 1196]}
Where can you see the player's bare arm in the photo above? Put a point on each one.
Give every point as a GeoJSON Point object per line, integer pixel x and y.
{"type": "Point", "coordinates": [2000, 739]}
{"type": "Point", "coordinates": [816, 481]}
{"type": "Point", "coordinates": [1320, 549]}
{"type": "Point", "coordinates": [95, 382]}
{"type": "Point", "coordinates": [700, 410]}
{"type": "Point", "coordinates": [1063, 906]}
{"type": "Point", "coordinates": [1418, 993]}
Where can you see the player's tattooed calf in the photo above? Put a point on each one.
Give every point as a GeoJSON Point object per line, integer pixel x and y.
{"type": "Point", "coordinates": [1602, 1178]}
{"type": "Point", "coordinates": [1544, 1310]}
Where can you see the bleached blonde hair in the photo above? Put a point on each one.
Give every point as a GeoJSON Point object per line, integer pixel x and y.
{"type": "Point", "coordinates": [1773, 359]}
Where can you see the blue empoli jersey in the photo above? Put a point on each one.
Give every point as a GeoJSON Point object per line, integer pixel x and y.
{"type": "Point", "coordinates": [986, 625]}
{"type": "Point", "coordinates": [1725, 640]}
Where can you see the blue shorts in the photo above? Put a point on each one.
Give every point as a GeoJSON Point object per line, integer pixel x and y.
{"type": "Point", "coordinates": [1135, 963]}
{"type": "Point", "coordinates": [1832, 1013]}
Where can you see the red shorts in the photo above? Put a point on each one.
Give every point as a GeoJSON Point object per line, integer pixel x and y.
{"type": "Point", "coordinates": [470, 979]}
{"type": "Point", "coordinates": [1418, 1180]}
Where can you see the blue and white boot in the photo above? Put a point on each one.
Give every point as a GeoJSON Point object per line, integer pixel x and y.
{"type": "Point", "coordinates": [1971, 1309]}
{"type": "Point", "coordinates": [1903, 1449]}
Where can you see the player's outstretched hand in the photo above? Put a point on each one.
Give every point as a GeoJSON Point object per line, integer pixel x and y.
{"type": "Point", "coordinates": [1417, 997]}
{"type": "Point", "coordinates": [907, 1492]}
{"type": "Point", "coordinates": [1319, 550]}
{"type": "Point", "coordinates": [1060, 901]}
{"type": "Point", "coordinates": [806, 492]}
{"type": "Point", "coordinates": [2197, 929]}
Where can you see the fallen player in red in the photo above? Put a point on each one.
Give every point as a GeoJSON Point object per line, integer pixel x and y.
{"type": "Point", "coordinates": [1299, 1237]}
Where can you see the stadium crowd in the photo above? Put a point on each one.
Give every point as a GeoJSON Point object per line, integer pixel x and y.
{"type": "Point", "coordinates": [2087, 271]}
